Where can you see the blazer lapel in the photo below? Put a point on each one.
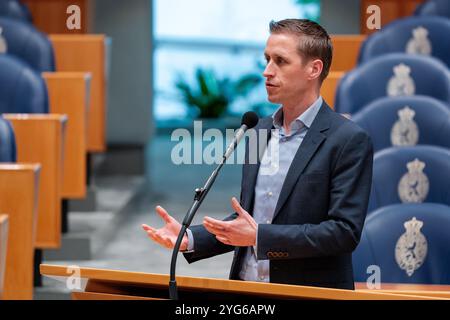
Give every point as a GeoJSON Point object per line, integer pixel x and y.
{"type": "Point", "coordinates": [313, 139]}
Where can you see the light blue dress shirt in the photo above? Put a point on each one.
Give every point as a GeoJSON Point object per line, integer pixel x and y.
{"type": "Point", "coordinates": [268, 186]}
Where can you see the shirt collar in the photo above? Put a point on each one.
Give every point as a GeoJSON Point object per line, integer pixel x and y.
{"type": "Point", "coordinates": [305, 119]}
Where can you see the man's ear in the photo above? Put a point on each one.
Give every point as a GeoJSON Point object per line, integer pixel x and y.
{"type": "Point", "coordinates": [315, 69]}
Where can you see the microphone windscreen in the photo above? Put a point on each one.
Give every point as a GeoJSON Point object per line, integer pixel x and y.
{"type": "Point", "coordinates": [250, 119]}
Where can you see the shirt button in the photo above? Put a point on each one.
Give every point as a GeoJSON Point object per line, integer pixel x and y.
{"type": "Point", "coordinates": [261, 277]}
{"type": "Point", "coordinates": [268, 221]}
{"type": "Point", "coordinates": [269, 193]}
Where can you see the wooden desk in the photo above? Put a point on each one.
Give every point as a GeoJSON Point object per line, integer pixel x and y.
{"type": "Point", "coordinates": [3, 249]}
{"type": "Point", "coordinates": [86, 53]}
{"type": "Point", "coordinates": [68, 94]}
{"type": "Point", "coordinates": [39, 139]}
{"type": "Point", "coordinates": [18, 196]}
{"type": "Point", "coordinates": [431, 290]}
{"type": "Point", "coordinates": [114, 284]}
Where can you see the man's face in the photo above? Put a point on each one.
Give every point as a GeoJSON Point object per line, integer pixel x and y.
{"type": "Point", "coordinates": [285, 73]}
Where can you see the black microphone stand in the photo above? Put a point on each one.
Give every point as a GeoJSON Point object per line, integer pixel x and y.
{"type": "Point", "coordinates": [249, 120]}
{"type": "Point", "coordinates": [200, 194]}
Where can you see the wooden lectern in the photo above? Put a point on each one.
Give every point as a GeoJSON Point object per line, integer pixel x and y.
{"type": "Point", "coordinates": [123, 285]}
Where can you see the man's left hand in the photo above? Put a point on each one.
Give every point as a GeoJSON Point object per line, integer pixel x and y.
{"type": "Point", "coordinates": [238, 232]}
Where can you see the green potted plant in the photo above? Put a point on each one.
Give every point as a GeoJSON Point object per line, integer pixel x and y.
{"type": "Point", "coordinates": [210, 96]}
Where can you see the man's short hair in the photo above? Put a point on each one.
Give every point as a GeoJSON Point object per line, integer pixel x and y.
{"type": "Point", "coordinates": [314, 41]}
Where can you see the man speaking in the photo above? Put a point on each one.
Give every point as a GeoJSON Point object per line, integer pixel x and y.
{"type": "Point", "coordinates": [299, 225]}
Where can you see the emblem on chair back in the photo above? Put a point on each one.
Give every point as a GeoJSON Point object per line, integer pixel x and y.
{"type": "Point", "coordinates": [411, 248]}
{"type": "Point", "coordinates": [401, 84]}
{"type": "Point", "coordinates": [3, 45]}
{"type": "Point", "coordinates": [405, 132]}
{"type": "Point", "coordinates": [414, 185]}
{"type": "Point", "coordinates": [419, 43]}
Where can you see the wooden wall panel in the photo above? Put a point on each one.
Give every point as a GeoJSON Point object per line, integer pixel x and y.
{"type": "Point", "coordinates": [329, 86]}
{"type": "Point", "coordinates": [50, 16]}
{"type": "Point", "coordinates": [4, 225]}
{"type": "Point", "coordinates": [39, 139]}
{"type": "Point", "coordinates": [19, 187]}
{"type": "Point", "coordinates": [86, 53]}
{"type": "Point", "coordinates": [68, 95]}
{"type": "Point", "coordinates": [345, 51]}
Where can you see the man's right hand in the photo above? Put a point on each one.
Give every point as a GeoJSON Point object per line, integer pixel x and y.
{"type": "Point", "coordinates": [167, 235]}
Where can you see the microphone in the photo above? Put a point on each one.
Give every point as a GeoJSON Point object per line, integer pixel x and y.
{"type": "Point", "coordinates": [249, 120]}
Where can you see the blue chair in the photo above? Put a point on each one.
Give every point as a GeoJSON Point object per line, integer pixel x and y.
{"type": "Point", "coordinates": [415, 35]}
{"type": "Point", "coordinates": [22, 90]}
{"type": "Point", "coordinates": [23, 40]}
{"type": "Point", "coordinates": [7, 142]}
{"type": "Point", "coordinates": [408, 242]}
{"type": "Point", "coordinates": [14, 9]}
{"type": "Point", "coordinates": [434, 8]}
{"type": "Point", "coordinates": [410, 175]}
{"type": "Point", "coordinates": [405, 121]}
{"type": "Point", "coordinates": [393, 74]}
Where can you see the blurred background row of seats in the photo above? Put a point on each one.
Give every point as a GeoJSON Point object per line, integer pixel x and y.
{"type": "Point", "coordinates": [433, 8]}
{"type": "Point", "coordinates": [399, 92]}
{"type": "Point", "coordinates": [23, 89]}
{"type": "Point", "coordinates": [409, 244]}
{"type": "Point", "coordinates": [424, 35]}
{"type": "Point", "coordinates": [15, 9]}
{"type": "Point", "coordinates": [23, 40]}
{"type": "Point", "coordinates": [52, 109]}
{"type": "Point", "coordinates": [7, 142]}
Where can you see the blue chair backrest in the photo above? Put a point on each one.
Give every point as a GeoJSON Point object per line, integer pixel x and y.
{"type": "Point", "coordinates": [23, 40]}
{"type": "Point", "coordinates": [408, 242]}
{"type": "Point", "coordinates": [410, 175]}
{"type": "Point", "coordinates": [393, 74]}
{"type": "Point", "coordinates": [14, 9]}
{"type": "Point", "coordinates": [22, 89]}
{"type": "Point", "coordinates": [434, 8]}
{"type": "Point", "coordinates": [7, 142]}
{"type": "Point", "coordinates": [415, 35]}
{"type": "Point", "coordinates": [405, 121]}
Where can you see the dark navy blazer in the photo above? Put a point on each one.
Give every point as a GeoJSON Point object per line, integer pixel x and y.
{"type": "Point", "coordinates": [320, 212]}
